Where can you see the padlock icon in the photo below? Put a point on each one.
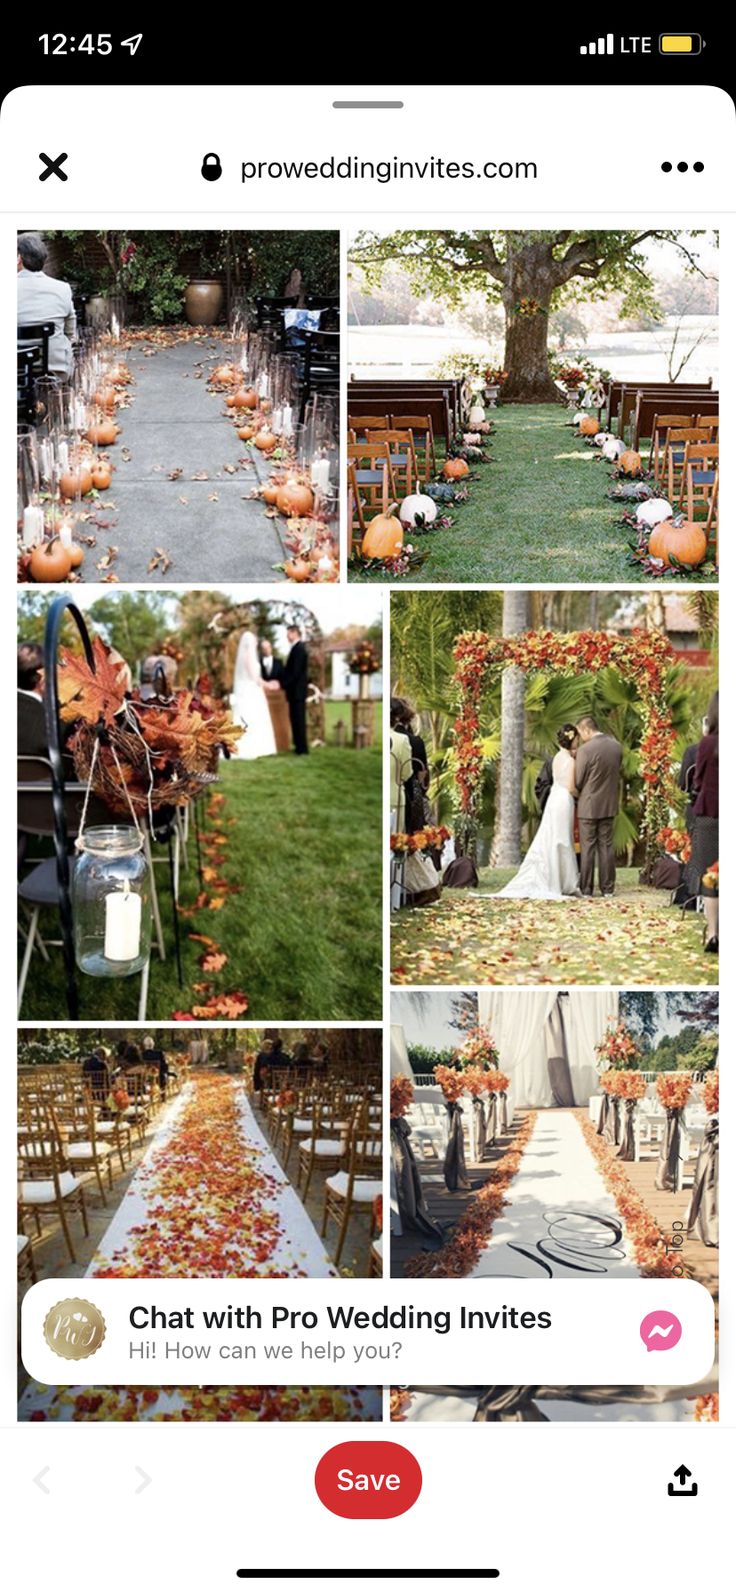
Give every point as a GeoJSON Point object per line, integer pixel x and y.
{"type": "Point", "coordinates": [211, 168]}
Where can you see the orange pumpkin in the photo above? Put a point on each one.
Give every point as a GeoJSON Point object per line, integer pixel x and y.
{"type": "Point", "coordinates": [50, 562]}
{"type": "Point", "coordinates": [687, 543]}
{"type": "Point", "coordinates": [119, 375]}
{"type": "Point", "coordinates": [106, 399]}
{"type": "Point", "coordinates": [297, 569]}
{"type": "Point", "coordinates": [270, 494]}
{"type": "Point", "coordinates": [104, 434]}
{"type": "Point", "coordinates": [75, 483]}
{"type": "Point", "coordinates": [246, 433]}
{"type": "Point", "coordinates": [244, 398]}
{"type": "Point", "coordinates": [224, 374]}
{"type": "Point", "coordinates": [266, 441]}
{"type": "Point", "coordinates": [101, 475]}
{"type": "Point", "coordinates": [455, 469]}
{"type": "Point", "coordinates": [384, 536]}
{"type": "Point", "coordinates": [294, 498]}
{"type": "Point", "coordinates": [76, 554]}
{"type": "Point", "coordinates": [589, 426]}
{"type": "Point", "coordinates": [630, 462]}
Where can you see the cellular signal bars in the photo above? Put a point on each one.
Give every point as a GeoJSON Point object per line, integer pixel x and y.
{"type": "Point", "coordinates": [602, 47]}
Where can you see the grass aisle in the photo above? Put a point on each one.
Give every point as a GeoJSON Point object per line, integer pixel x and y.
{"type": "Point", "coordinates": [303, 935]}
{"type": "Point", "coordinates": [538, 512]}
{"type": "Point", "coordinates": [634, 938]}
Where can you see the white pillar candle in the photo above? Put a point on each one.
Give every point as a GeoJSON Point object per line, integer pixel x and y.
{"type": "Point", "coordinates": [122, 925]}
{"type": "Point", "coordinates": [263, 385]}
{"type": "Point", "coordinates": [33, 523]}
{"type": "Point", "coordinates": [287, 421]}
{"type": "Point", "coordinates": [320, 474]}
{"type": "Point", "coordinates": [65, 533]}
{"type": "Point", "coordinates": [45, 457]}
{"type": "Point", "coordinates": [63, 455]}
{"type": "Point", "coordinates": [276, 422]}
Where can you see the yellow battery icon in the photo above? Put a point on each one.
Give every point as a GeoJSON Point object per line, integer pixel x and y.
{"type": "Point", "coordinates": [680, 43]}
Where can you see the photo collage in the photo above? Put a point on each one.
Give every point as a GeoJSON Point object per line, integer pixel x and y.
{"type": "Point", "coordinates": [368, 777]}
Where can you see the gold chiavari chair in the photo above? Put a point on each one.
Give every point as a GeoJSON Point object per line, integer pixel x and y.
{"type": "Point", "coordinates": [353, 1189]}
{"type": "Point", "coordinates": [47, 1183]}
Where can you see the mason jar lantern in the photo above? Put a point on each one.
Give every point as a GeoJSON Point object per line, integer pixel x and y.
{"type": "Point", "coordinates": [111, 902]}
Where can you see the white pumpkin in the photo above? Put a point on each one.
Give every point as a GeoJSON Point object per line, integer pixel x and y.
{"type": "Point", "coordinates": [471, 439]}
{"type": "Point", "coordinates": [601, 437]}
{"type": "Point", "coordinates": [477, 415]}
{"type": "Point", "coordinates": [613, 449]}
{"type": "Point", "coordinates": [653, 512]}
{"type": "Point", "coordinates": [420, 505]}
{"type": "Point", "coordinates": [582, 414]}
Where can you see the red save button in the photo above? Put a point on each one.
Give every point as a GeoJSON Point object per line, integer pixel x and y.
{"type": "Point", "coordinates": [368, 1481]}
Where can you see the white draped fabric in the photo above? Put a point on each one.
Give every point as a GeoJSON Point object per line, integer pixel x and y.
{"type": "Point", "coordinates": [399, 1055]}
{"type": "Point", "coordinates": [589, 1012]}
{"type": "Point", "coordinates": [517, 1019]}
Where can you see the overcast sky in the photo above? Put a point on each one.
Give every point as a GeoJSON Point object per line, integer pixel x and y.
{"type": "Point", "coordinates": [332, 606]}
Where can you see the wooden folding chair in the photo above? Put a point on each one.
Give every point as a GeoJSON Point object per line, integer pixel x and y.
{"type": "Point", "coordinates": [353, 1190]}
{"type": "Point", "coordinates": [700, 461]}
{"type": "Point", "coordinates": [46, 1182]}
{"type": "Point", "coordinates": [661, 425]}
{"type": "Point", "coordinates": [421, 429]}
{"type": "Point", "coordinates": [702, 491]}
{"type": "Point", "coordinates": [675, 445]}
{"type": "Point", "coordinates": [360, 424]}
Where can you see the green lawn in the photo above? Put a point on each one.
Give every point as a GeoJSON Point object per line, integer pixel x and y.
{"type": "Point", "coordinates": [538, 512]}
{"type": "Point", "coordinates": [633, 938]}
{"type": "Point", "coordinates": [303, 936]}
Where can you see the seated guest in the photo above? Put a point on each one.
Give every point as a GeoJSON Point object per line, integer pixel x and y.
{"type": "Point", "coordinates": [42, 298]}
{"type": "Point", "coordinates": [301, 1054]}
{"type": "Point", "coordinates": [158, 676]}
{"type": "Point", "coordinates": [321, 1057]}
{"type": "Point", "coordinates": [262, 1063]}
{"type": "Point", "coordinates": [97, 1073]}
{"type": "Point", "coordinates": [32, 741]}
{"type": "Point", "coordinates": [133, 1058]}
{"type": "Point", "coordinates": [153, 1057]}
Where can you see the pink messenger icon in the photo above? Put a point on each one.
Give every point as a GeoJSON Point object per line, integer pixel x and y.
{"type": "Point", "coordinates": [660, 1330]}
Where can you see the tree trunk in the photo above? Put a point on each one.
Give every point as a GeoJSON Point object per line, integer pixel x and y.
{"type": "Point", "coordinates": [525, 358]}
{"type": "Point", "coordinates": [506, 849]}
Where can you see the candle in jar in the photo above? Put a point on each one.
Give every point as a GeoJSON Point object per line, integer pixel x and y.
{"type": "Point", "coordinates": [65, 533]}
{"type": "Point", "coordinates": [63, 456]}
{"type": "Point", "coordinates": [276, 422]}
{"type": "Point", "coordinates": [263, 385]}
{"type": "Point", "coordinates": [287, 423]}
{"type": "Point", "coordinates": [33, 524]}
{"type": "Point", "coordinates": [122, 925]}
{"type": "Point", "coordinates": [45, 458]}
{"type": "Point", "coordinates": [320, 474]}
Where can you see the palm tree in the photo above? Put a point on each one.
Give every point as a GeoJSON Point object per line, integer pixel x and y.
{"type": "Point", "coordinates": [506, 851]}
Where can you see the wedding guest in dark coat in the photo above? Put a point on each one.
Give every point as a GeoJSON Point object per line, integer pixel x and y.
{"type": "Point", "coordinates": [296, 685]}
{"type": "Point", "coordinates": [32, 740]}
{"type": "Point", "coordinates": [705, 827]}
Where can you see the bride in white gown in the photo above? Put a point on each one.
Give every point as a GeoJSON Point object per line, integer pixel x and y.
{"type": "Point", "coordinates": [249, 703]}
{"type": "Point", "coordinates": [550, 868]}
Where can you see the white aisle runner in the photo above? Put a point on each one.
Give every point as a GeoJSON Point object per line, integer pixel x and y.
{"type": "Point", "coordinates": [560, 1220]}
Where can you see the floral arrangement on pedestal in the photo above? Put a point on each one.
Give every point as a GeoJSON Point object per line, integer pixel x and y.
{"type": "Point", "coordinates": [478, 1049]}
{"type": "Point", "coordinates": [364, 660]}
{"type": "Point", "coordinates": [644, 657]}
{"type": "Point", "coordinates": [617, 1049]}
{"type": "Point", "coordinates": [676, 843]}
{"type": "Point", "coordinates": [711, 1093]}
{"type": "Point", "coordinates": [402, 1095]}
{"type": "Point", "coordinates": [674, 1089]}
{"type": "Point", "coordinates": [431, 838]}
{"type": "Point", "coordinates": [451, 1082]}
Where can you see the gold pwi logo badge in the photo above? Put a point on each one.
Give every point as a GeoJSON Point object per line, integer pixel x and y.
{"type": "Point", "coordinates": [74, 1329]}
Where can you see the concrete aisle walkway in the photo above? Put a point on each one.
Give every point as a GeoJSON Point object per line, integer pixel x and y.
{"type": "Point", "coordinates": [174, 423]}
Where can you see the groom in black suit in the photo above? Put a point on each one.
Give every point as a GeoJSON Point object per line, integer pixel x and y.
{"type": "Point", "coordinates": [295, 682]}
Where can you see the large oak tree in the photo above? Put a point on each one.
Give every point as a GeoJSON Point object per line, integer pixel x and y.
{"type": "Point", "coordinates": [540, 269]}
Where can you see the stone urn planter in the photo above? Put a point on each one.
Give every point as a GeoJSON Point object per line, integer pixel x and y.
{"type": "Point", "coordinates": [203, 302]}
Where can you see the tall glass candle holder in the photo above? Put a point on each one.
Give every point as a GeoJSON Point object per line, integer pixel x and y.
{"type": "Point", "coordinates": [111, 902]}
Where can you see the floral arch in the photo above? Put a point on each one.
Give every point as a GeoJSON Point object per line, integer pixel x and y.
{"type": "Point", "coordinates": [644, 658]}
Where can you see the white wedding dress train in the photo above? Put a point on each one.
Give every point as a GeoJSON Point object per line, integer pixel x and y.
{"type": "Point", "coordinates": [550, 869]}
{"type": "Point", "coordinates": [249, 703]}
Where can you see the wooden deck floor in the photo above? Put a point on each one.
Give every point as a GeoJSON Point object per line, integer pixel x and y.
{"type": "Point", "coordinates": [667, 1209]}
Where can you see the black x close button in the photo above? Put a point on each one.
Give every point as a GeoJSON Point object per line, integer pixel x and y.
{"type": "Point", "coordinates": [53, 165]}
